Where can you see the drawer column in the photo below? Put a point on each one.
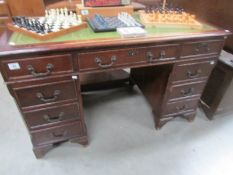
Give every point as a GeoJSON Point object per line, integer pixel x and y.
{"type": "Point", "coordinates": [185, 86]}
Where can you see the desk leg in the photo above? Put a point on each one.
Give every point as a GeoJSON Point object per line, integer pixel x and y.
{"type": "Point", "coordinates": [40, 151]}
{"type": "Point", "coordinates": [80, 140]}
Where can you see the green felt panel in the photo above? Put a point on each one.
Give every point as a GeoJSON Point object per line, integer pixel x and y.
{"type": "Point", "coordinates": [88, 34]}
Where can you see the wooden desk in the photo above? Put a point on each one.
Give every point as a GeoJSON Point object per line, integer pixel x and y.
{"type": "Point", "coordinates": [46, 79]}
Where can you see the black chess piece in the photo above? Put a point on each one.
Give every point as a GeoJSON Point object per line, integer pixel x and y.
{"type": "Point", "coordinates": [42, 28]}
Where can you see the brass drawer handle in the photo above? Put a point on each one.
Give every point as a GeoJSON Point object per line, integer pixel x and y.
{"type": "Point", "coordinates": [56, 135]}
{"type": "Point", "coordinates": [48, 99]}
{"type": "Point", "coordinates": [182, 108]}
{"type": "Point", "coordinates": [99, 62]}
{"type": "Point", "coordinates": [188, 92]}
{"type": "Point", "coordinates": [132, 53]}
{"type": "Point", "coordinates": [162, 54]}
{"type": "Point", "coordinates": [195, 74]}
{"type": "Point", "coordinates": [204, 47]}
{"type": "Point", "coordinates": [52, 119]}
{"type": "Point", "coordinates": [150, 56]}
{"type": "Point", "coordinates": [33, 72]}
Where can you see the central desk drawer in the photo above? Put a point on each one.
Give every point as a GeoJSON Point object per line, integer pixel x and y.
{"type": "Point", "coordinates": [110, 58]}
{"type": "Point", "coordinates": [46, 93]}
{"type": "Point", "coordinates": [37, 67]}
{"type": "Point", "coordinates": [188, 90]}
{"type": "Point", "coordinates": [122, 57]}
{"type": "Point", "coordinates": [57, 134]}
{"type": "Point", "coordinates": [53, 115]}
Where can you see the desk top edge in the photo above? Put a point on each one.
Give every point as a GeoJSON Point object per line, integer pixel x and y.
{"type": "Point", "coordinates": [7, 50]}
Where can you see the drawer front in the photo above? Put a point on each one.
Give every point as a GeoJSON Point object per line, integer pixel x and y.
{"type": "Point", "coordinates": [192, 71]}
{"type": "Point", "coordinates": [50, 116]}
{"type": "Point", "coordinates": [201, 48]}
{"type": "Point", "coordinates": [162, 53]}
{"type": "Point", "coordinates": [180, 107]}
{"type": "Point", "coordinates": [56, 134]}
{"type": "Point", "coordinates": [186, 115]}
{"type": "Point", "coordinates": [37, 67]}
{"type": "Point", "coordinates": [46, 93]}
{"type": "Point", "coordinates": [109, 59]}
{"type": "Point", "coordinates": [183, 91]}
{"type": "Point", "coordinates": [123, 57]}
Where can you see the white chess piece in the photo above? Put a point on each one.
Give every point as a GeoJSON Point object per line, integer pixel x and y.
{"type": "Point", "coordinates": [65, 12]}
{"type": "Point", "coordinates": [62, 11]}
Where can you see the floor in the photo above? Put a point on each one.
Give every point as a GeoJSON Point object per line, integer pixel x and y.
{"type": "Point", "coordinates": [123, 141]}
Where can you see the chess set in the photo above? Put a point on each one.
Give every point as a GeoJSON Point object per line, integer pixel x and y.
{"type": "Point", "coordinates": [100, 23]}
{"type": "Point", "coordinates": [56, 22]}
{"type": "Point", "coordinates": [168, 17]}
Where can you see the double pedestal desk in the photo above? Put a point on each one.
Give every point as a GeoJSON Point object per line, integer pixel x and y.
{"type": "Point", "coordinates": [47, 79]}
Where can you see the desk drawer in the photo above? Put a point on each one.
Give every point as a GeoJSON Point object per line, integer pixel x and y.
{"type": "Point", "coordinates": [46, 93]}
{"type": "Point", "coordinates": [122, 57]}
{"type": "Point", "coordinates": [183, 91]}
{"type": "Point", "coordinates": [37, 67]}
{"type": "Point", "coordinates": [162, 53]}
{"type": "Point", "coordinates": [194, 70]}
{"type": "Point", "coordinates": [57, 134]}
{"type": "Point", "coordinates": [110, 58]}
{"type": "Point", "coordinates": [186, 115]}
{"type": "Point", "coordinates": [180, 107]}
{"type": "Point", "coordinates": [53, 115]}
{"type": "Point", "coordinates": [201, 48]}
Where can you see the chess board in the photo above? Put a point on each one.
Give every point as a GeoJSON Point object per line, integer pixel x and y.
{"type": "Point", "coordinates": [55, 23]}
{"type": "Point", "coordinates": [46, 36]}
{"type": "Point", "coordinates": [179, 20]}
{"type": "Point", "coordinates": [99, 23]}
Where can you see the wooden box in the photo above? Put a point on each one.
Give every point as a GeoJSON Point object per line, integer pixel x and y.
{"type": "Point", "coordinates": [105, 11]}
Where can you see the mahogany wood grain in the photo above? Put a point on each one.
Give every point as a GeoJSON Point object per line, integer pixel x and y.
{"type": "Point", "coordinates": [60, 64]}
{"type": "Point", "coordinates": [50, 116]}
{"type": "Point", "coordinates": [195, 70]}
{"type": "Point", "coordinates": [50, 93]}
{"type": "Point", "coordinates": [180, 107]}
{"type": "Point", "coordinates": [156, 77]}
{"type": "Point", "coordinates": [57, 134]}
{"type": "Point", "coordinates": [126, 57]}
{"type": "Point", "coordinates": [110, 43]}
{"type": "Point", "coordinates": [202, 48]}
{"type": "Point", "coordinates": [190, 116]}
{"type": "Point", "coordinates": [186, 90]}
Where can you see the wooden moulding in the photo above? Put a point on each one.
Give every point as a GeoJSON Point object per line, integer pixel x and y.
{"type": "Point", "coordinates": [105, 11]}
{"type": "Point", "coordinates": [46, 36]}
